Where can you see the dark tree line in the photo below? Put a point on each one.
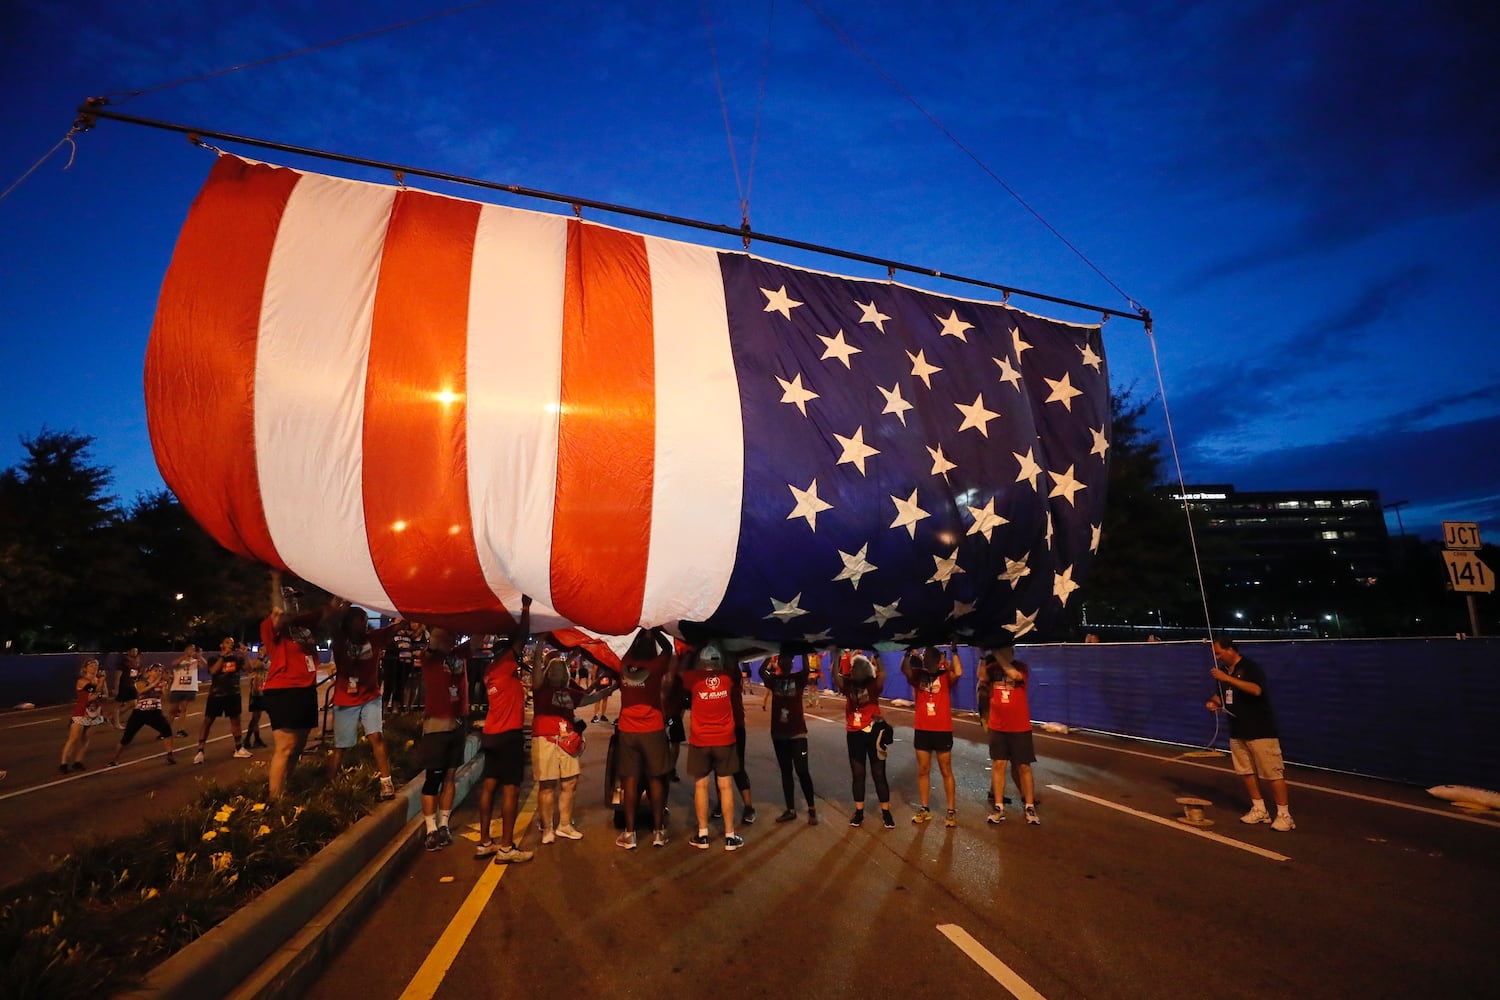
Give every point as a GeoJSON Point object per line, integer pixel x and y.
{"type": "Point", "coordinates": [80, 571]}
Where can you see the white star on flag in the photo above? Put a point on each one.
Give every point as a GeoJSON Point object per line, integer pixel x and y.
{"type": "Point", "coordinates": [1063, 585]}
{"type": "Point", "coordinates": [1065, 485]}
{"type": "Point", "coordinates": [1024, 623]}
{"type": "Point", "coordinates": [908, 513]}
{"type": "Point", "coordinates": [960, 609]}
{"type": "Point", "coordinates": [1095, 534]}
{"type": "Point", "coordinates": [779, 301]}
{"type": "Point", "coordinates": [884, 613]}
{"type": "Point", "coordinates": [1029, 469]}
{"type": "Point", "coordinates": [985, 519]}
{"type": "Point", "coordinates": [940, 464]}
{"type": "Point", "coordinates": [855, 450]}
{"type": "Point", "coordinates": [1089, 357]}
{"type": "Point", "coordinates": [869, 314]}
{"type": "Point", "coordinates": [839, 348]}
{"type": "Point", "coordinates": [953, 326]}
{"type": "Point", "coordinates": [1015, 336]}
{"type": "Point", "coordinates": [1101, 444]}
{"type": "Point", "coordinates": [786, 611]}
{"type": "Point", "coordinates": [808, 504]}
{"type": "Point", "coordinates": [1015, 569]}
{"type": "Point", "coordinates": [1062, 391]}
{"type": "Point", "coordinates": [794, 393]}
{"type": "Point", "coordinates": [905, 636]}
{"type": "Point", "coordinates": [946, 568]}
{"type": "Point", "coordinates": [921, 369]}
{"type": "Point", "coordinates": [895, 402]}
{"type": "Point", "coordinates": [856, 565]}
{"type": "Point", "coordinates": [817, 637]}
{"type": "Point", "coordinates": [976, 416]}
{"type": "Point", "coordinates": [1008, 372]}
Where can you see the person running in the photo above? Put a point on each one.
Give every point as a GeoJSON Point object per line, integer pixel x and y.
{"type": "Point", "coordinates": [503, 742]}
{"type": "Point", "coordinates": [357, 653]}
{"type": "Point", "coordinates": [711, 743]}
{"type": "Point", "coordinates": [129, 674]}
{"type": "Point", "coordinates": [290, 691]}
{"type": "Point", "coordinates": [861, 686]}
{"type": "Point", "coordinates": [648, 671]}
{"type": "Point", "coordinates": [147, 712]}
{"type": "Point", "coordinates": [259, 668]}
{"type": "Point", "coordinates": [224, 697]}
{"type": "Point", "coordinates": [789, 730]}
{"type": "Point", "coordinates": [932, 677]}
{"type": "Point", "coordinates": [184, 686]}
{"type": "Point", "coordinates": [88, 711]}
{"type": "Point", "coordinates": [1002, 701]}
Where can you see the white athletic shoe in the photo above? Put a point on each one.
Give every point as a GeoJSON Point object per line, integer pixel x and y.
{"type": "Point", "coordinates": [1257, 814]}
{"type": "Point", "coordinates": [198, 757]}
{"type": "Point", "coordinates": [1283, 822]}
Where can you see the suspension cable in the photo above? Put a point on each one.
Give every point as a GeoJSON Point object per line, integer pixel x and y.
{"type": "Point", "coordinates": [131, 94]}
{"type": "Point", "coordinates": [713, 55]}
{"type": "Point", "coordinates": [854, 47]}
{"type": "Point", "coordinates": [95, 108]}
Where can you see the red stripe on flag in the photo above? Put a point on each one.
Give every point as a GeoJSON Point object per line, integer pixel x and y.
{"type": "Point", "coordinates": [606, 449]}
{"type": "Point", "coordinates": [416, 491]}
{"type": "Point", "coordinates": [200, 361]}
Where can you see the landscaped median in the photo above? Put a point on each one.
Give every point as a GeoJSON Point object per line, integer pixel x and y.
{"type": "Point", "coordinates": [229, 897]}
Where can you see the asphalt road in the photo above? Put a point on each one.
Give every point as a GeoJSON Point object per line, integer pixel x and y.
{"type": "Point", "coordinates": [1381, 891]}
{"type": "Point", "coordinates": [44, 814]}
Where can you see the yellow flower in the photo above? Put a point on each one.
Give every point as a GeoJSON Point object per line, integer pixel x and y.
{"type": "Point", "coordinates": [208, 835]}
{"type": "Point", "coordinates": [222, 816]}
{"type": "Point", "coordinates": [258, 807]}
{"type": "Point", "coordinates": [263, 830]}
{"type": "Point", "coordinates": [221, 860]}
{"type": "Point", "coordinates": [150, 894]}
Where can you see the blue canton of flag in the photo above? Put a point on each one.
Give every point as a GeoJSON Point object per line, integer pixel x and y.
{"type": "Point", "coordinates": [918, 468]}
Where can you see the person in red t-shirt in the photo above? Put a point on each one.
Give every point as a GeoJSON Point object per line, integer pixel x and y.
{"type": "Point", "coordinates": [557, 743]}
{"type": "Point", "coordinates": [503, 743]}
{"type": "Point", "coordinates": [861, 686]}
{"type": "Point", "coordinates": [1002, 703]}
{"type": "Point", "coordinates": [932, 676]}
{"type": "Point", "coordinates": [357, 652]}
{"type": "Point", "coordinates": [789, 729]}
{"type": "Point", "coordinates": [290, 689]}
{"type": "Point", "coordinates": [711, 745]}
{"type": "Point", "coordinates": [647, 673]}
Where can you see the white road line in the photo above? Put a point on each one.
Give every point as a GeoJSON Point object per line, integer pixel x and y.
{"type": "Point", "coordinates": [100, 769]}
{"type": "Point", "coordinates": [1173, 824]}
{"type": "Point", "coordinates": [998, 970]}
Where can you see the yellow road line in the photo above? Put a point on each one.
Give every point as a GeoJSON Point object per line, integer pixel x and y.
{"type": "Point", "coordinates": [424, 985]}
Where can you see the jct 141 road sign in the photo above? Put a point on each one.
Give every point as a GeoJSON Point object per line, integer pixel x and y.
{"type": "Point", "coordinates": [1469, 573]}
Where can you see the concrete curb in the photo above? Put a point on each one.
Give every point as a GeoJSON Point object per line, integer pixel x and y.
{"type": "Point", "coordinates": [279, 942]}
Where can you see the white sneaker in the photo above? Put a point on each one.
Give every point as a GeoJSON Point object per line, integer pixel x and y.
{"type": "Point", "coordinates": [241, 753]}
{"type": "Point", "coordinates": [548, 836]}
{"type": "Point", "coordinates": [198, 757]}
{"type": "Point", "coordinates": [1283, 822]}
{"type": "Point", "coordinates": [570, 832]}
{"type": "Point", "coordinates": [1257, 814]}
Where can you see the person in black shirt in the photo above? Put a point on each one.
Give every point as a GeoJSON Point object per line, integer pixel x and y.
{"type": "Point", "coordinates": [1254, 744]}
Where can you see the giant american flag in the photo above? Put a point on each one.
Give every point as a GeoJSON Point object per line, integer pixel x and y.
{"type": "Point", "coordinates": [430, 406]}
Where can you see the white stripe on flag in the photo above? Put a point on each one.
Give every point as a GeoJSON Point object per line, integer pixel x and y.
{"type": "Point", "coordinates": [700, 452]}
{"type": "Point", "coordinates": [514, 387]}
{"type": "Point", "coordinates": [311, 353]}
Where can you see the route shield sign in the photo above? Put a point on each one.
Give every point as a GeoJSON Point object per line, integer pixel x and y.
{"type": "Point", "coordinates": [1468, 573]}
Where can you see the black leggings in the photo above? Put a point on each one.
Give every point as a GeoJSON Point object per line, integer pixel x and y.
{"type": "Point", "coordinates": [792, 753]}
{"type": "Point", "coordinates": [862, 748]}
{"type": "Point", "coordinates": [741, 777]}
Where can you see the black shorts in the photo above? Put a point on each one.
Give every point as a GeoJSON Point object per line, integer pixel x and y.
{"type": "Point", "coordinates": [227, 705]}
{"type": "Point", "coordinates": [642, 755]}
{"type": "Point", "coordinates": [139, 720]}
{"type": "Point", "coordinates": [1014, 747]}
{"type": "Point", "coordinates": [722, 761]}
{"type": "Point", "coordinates": [504, 756]}
{"type": "Point", "coordinates": [294, 709]}
{"type": "Point", "coordinates": [441, 751]}
{"type": "Point", "coordinates": [932, 741]}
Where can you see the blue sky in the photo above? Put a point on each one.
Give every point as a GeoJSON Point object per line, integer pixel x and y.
{"type": "Point", "coordinates": [1307, 197]}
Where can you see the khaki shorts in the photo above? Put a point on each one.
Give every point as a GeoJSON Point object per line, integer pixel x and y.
{"type": "Point", "coordinates": [1258, 757]}
{"type": "Point", "coordinates": [550, 762]}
